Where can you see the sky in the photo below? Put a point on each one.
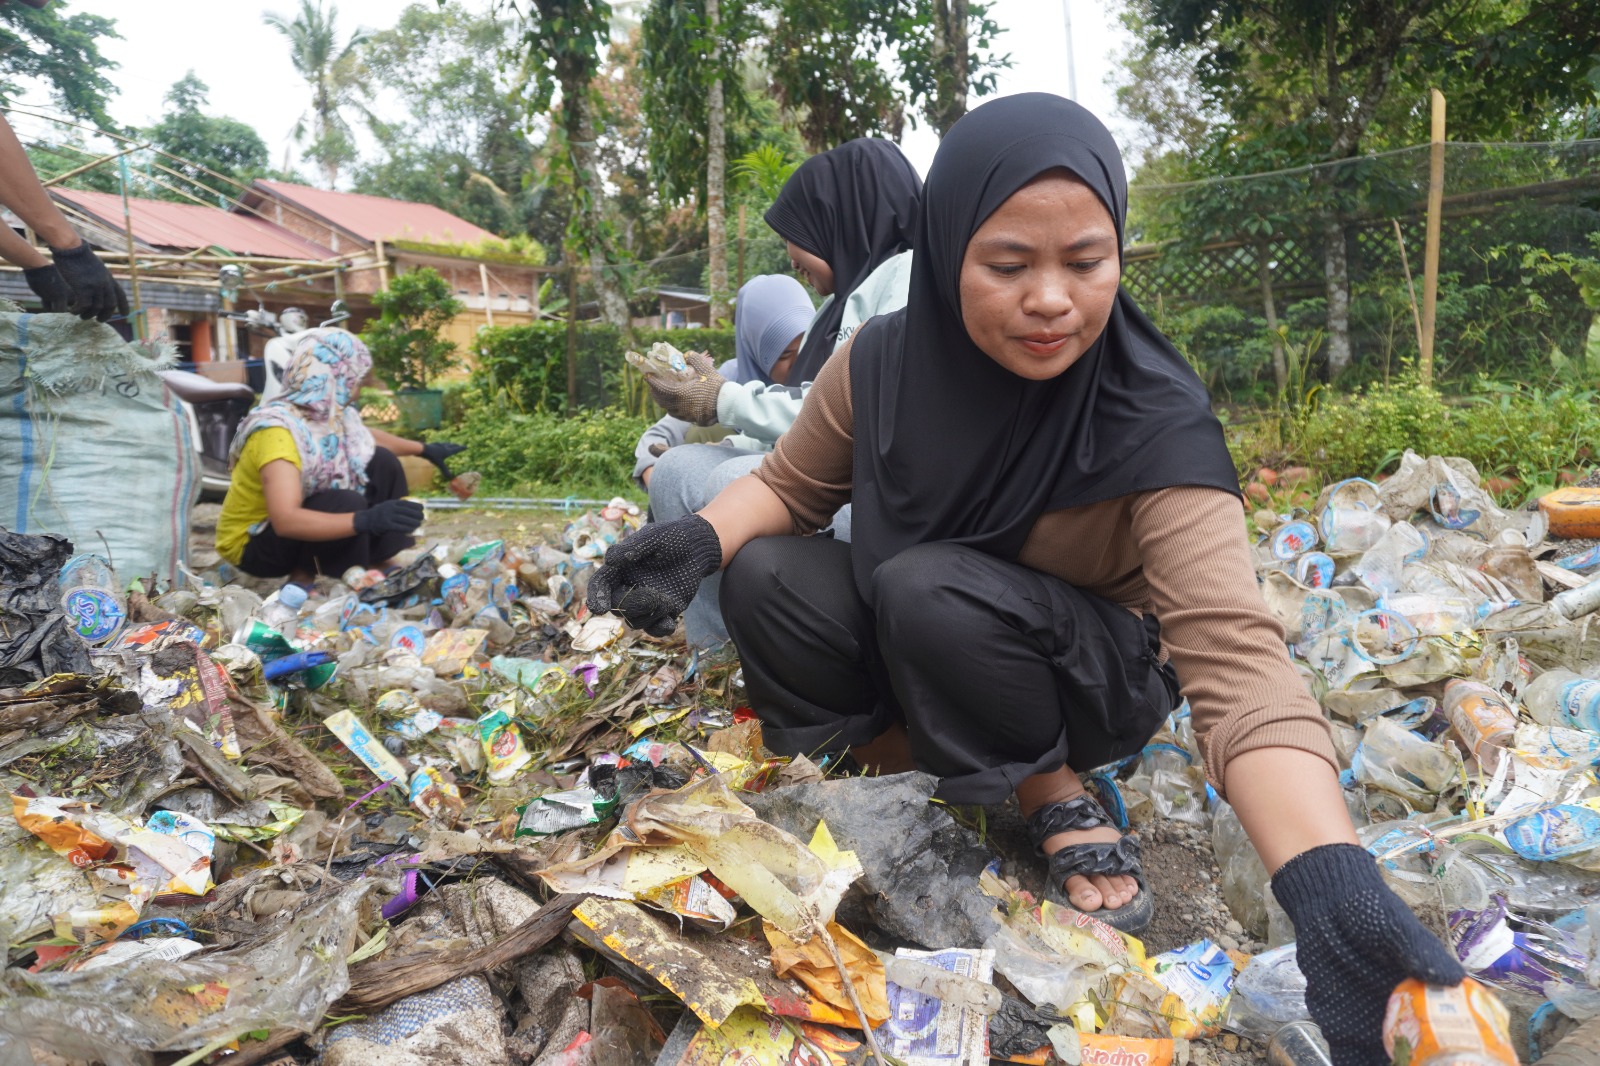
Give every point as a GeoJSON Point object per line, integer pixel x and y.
{"type": "Point", "coordinates": [246, 64]}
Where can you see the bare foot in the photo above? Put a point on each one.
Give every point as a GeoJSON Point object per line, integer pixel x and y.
{"type": "Point", "coordinates": [887, 753]}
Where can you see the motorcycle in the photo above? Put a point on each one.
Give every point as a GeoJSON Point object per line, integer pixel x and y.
{"type": "Point", "coordinates": [215, 409]}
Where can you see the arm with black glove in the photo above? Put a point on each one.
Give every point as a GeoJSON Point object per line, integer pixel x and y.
{"type": "Point", "coordinates": [95, 293]}
{"type": "Point", "coordinates": [1355, 940]}
{"type": "Point", "coordinates": [650, 577]}
{"type": "Point", "coordinates": [390, 516]}
{"type": "Point", "coordinates": [693, 399]}
{"type": "Point", "coordinates": [438, 453]}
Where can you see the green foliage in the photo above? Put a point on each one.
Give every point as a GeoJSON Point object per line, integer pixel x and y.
{"type": "Point", "coordinates": [826, 65]}
{"type": "Point", "coordinates": [946, 53]}
{"type": "Point", "coordinates": [462, 145]}
{"type": "Point", "coordinates": [765, 169]}
{"type": "Point", "coordinates": [544, 454]}
{"type": "Point", "coordinates": [528, 364]}
{"type": "Point", "coordinates": [204, 142]}
{"type": "Point", "coordinates": [63, 52]}
{"type": "Point", "coordinates": [407, 350]}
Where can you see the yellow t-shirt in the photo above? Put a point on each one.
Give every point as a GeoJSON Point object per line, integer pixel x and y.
{"type": "Point", "coordinates": [245, 506]}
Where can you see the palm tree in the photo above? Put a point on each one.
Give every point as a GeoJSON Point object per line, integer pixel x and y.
{"type": "Point", "coordinates": [333, 72]}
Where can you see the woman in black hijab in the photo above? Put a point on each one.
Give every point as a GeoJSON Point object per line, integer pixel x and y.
{"type": "Point", "coordinates": [842, 214]}
{"type": "Point", "coordinates": [1048, 542]}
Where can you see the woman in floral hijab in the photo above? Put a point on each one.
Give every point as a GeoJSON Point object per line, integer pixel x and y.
{"type": "Point", "coordinates": [314, 490]}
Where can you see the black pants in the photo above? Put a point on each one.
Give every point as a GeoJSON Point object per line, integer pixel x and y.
{"type": "Point", "coordinates": [999, 671]}
{"type": "Point", "coordinates": [269, 555]}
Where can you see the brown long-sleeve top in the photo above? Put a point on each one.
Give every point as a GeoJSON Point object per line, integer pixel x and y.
{"type": "Point", "coordinates": [1179, 552]}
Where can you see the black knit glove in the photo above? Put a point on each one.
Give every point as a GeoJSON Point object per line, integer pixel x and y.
{"type": "Point", "coordinates": [1355, 940]}
{"type": "Point", "coordinates": [693, 400]}
{"type": "Point", "coordinates": [95, 293]}
{"type": "Point", "coordinates": [390, 516]}
{"type": "Point", "coordinates": [49, 286]}
{"type": "Point", "coordinates": [436, 452]}
{"type": "Point", "coordinates": [650, 577]}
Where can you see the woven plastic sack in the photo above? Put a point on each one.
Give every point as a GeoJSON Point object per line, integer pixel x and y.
{"type": "Point", "coordinates": [95, 448]}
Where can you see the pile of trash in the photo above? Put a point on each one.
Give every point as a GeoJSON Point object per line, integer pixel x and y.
{"type": "Point", "coordinates": [444, 815]}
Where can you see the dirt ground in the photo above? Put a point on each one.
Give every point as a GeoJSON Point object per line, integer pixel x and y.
{"type": "Point", "coordinates": [1178, 858]}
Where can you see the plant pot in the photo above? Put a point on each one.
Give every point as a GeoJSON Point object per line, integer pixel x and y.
{"type": "Point", "coordinates": [420, 408]}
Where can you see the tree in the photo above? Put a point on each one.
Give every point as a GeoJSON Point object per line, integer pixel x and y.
{"type": "Point", "coordinates": [205, 143]}
{"type": "Point", "coordinates": [690, 59]}
{"type": "Point", "coordinates": [945, 54]}
{"type": "Point", "coordinates": [461, 143]}
{"type": "Point", "coordinates": [826, 69]}
{"type": "Point", "coordinates": [1326, 82]}
{"type": "Point", "coordinates": [63, 52]}
{"type": "Point", "coordinates": [562, 42]}
{"type": "Point", "coordinates": [333, 71]}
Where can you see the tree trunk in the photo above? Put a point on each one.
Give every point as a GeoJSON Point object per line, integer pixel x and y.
{"type": "Point", "coordinates": [1336, 273]}
{"type": "Point", "coordinates": [716, 180]}
{"type": "Point", "coordinates": [950, 63]}
{"type": "Point", "coordinates": [586, 170]}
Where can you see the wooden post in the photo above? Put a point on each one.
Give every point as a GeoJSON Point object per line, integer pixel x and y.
{"type": "Point", "coordinates": [742, 211]}
{"type": "Point", "coordinates": [572, 339]}
{"type": "Point", "coordinates": [1430, 255]}
{"type": "Point", "coordinates": [383, 265]}
{"type": "Point", "coordinates": [141, 325]}
{"type": "Point", "coordinates": [488, 300]}
{"type": "Point", "coordinates": [1280, 366]}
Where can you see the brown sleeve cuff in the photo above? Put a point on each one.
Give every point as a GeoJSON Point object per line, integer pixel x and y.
{"type": "Point", "coordinates": [1247, 729]}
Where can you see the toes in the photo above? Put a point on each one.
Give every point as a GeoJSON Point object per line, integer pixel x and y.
{"type": "Point", "coordinates": [1085, 895]}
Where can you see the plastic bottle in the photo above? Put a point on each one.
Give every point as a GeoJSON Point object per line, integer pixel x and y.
{"type": "Point", "coordinates": [1462, 1026]}
{"type": "Point", "coordinates": [1575, 603]}
{"type": "Point", "coordinates": [1483, 722]}
{"type": "Point", "coordinates": [281, 610]}
{"type": "Point", "coordinates": [91, 599]}
{"type": "Point", "coordinates": [1300, 1043]}
{"type": "Point", "coordinates": [1564, 697]}
{"type": "Point", "coordinates": [1268, 995]}
{"type": "Point", "coordinates": [1510, 561]}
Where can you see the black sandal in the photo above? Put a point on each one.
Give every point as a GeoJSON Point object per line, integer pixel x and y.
{"type": "Point", "coordinates": [1121, 857]}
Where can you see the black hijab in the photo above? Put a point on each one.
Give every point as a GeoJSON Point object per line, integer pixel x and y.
{"type": "Point", "coordinates": [951, 446]}
{"type": "Point", "coordinates": [852, 207]}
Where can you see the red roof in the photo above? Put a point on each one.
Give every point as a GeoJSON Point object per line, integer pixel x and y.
{"type": "Point", "coordinates": [378, 218]}
{"type": "Point", "coordinates": [163, 224]}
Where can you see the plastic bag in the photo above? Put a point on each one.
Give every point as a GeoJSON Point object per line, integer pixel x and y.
{"type": "Point", "coordinates": [36, 640]}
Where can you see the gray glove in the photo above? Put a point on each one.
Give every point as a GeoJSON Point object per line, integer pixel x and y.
{"type": "Point", "coordinates": [694, 400]}
{"type": "Point", "coordinates": [95, 293]}
{"type": "Point", "coordinates": [1355, 940]}
{"type": "Point", "coordinates": [650, 577]}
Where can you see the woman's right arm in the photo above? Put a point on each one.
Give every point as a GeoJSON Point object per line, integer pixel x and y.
{"type": "Point", "coordinates": [280, 485]}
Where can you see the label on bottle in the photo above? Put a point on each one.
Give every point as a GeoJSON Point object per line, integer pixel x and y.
{"type": "Point", "coordinates": [93, 614]}
{"type": "Point", "coordinates": [1580, 704]}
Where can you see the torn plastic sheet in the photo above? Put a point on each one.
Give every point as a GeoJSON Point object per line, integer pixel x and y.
{"type": "Point", "coordinates": [120, 1015]}
{"type": "Point", "coordinates": [35, 639]}
{"type": "Point", "coordinates": [920, 867]}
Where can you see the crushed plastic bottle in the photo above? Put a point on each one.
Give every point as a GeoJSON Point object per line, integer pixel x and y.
{"type": "Point", "coordinates": [1564, 697]}
{"type": "Point", "coordinates": [90, 598]}
{"type": "Point", "coordinates": [1483, 723]}
{"type": "Point", "coordinates": [281, 610]}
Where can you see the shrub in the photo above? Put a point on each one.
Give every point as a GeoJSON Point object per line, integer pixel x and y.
{"type": "Point", "coordinates": [542, 454]}
{"type": "Point", "coordinates": [529, 363]}
{"type": "Point", "coordinates": [1359, 433]}
{"type": "Point", "coordinates": [407, 350]}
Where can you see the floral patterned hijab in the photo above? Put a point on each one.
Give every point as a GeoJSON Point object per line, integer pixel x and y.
{"type": "Point", "coordinates": [319, 407]}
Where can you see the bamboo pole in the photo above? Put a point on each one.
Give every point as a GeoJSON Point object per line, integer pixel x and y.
{"type": "Point", "coordinates": [1411, 286]}
{"type": "Point", "coordinates": [75, 171]}
{"type": "Point", "coordinates": [1280, 365]}
{"type": "Point", "coordinates": [488, 297]}
{"type": "Point", "coordinates": [1430, 255]}
{"type": "Point", "coordinates": [141, 327]}
{"type": "Point", "coordinates": [383, 265]}
{"type": "Point", "coordinates": [572, 339]}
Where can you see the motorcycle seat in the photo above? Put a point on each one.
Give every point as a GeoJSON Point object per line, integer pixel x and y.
{"type": "Point", "coordinates": [196, 388]}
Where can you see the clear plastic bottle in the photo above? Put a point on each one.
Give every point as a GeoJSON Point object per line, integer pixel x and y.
{"type": "Point", "coordinates": [93, 604]}
{"type": "Point", "coordinates": [281, 610]}
{"type": "Point", "coordinates": [1564, 697]}
{"type": "Point", "coordinates": [1510, 561]}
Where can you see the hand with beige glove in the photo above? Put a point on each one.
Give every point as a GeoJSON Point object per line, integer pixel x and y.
{"type": "Point", "coordinates": [693, 399]}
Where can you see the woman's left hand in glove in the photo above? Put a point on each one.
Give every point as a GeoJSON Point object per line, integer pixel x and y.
{"type": "Point", "coordinates": [1355, 940]}
{"type": "Point", "coordinates": [438, 451]}
{"type": "Point", "coordinates": [693, 399]}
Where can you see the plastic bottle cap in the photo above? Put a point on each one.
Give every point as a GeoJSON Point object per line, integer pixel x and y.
{"type": "Point", "coordinates": [292, 596]}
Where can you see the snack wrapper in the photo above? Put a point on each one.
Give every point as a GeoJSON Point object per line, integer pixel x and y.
{"type": "Point", "coordinates": [358, 738]}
